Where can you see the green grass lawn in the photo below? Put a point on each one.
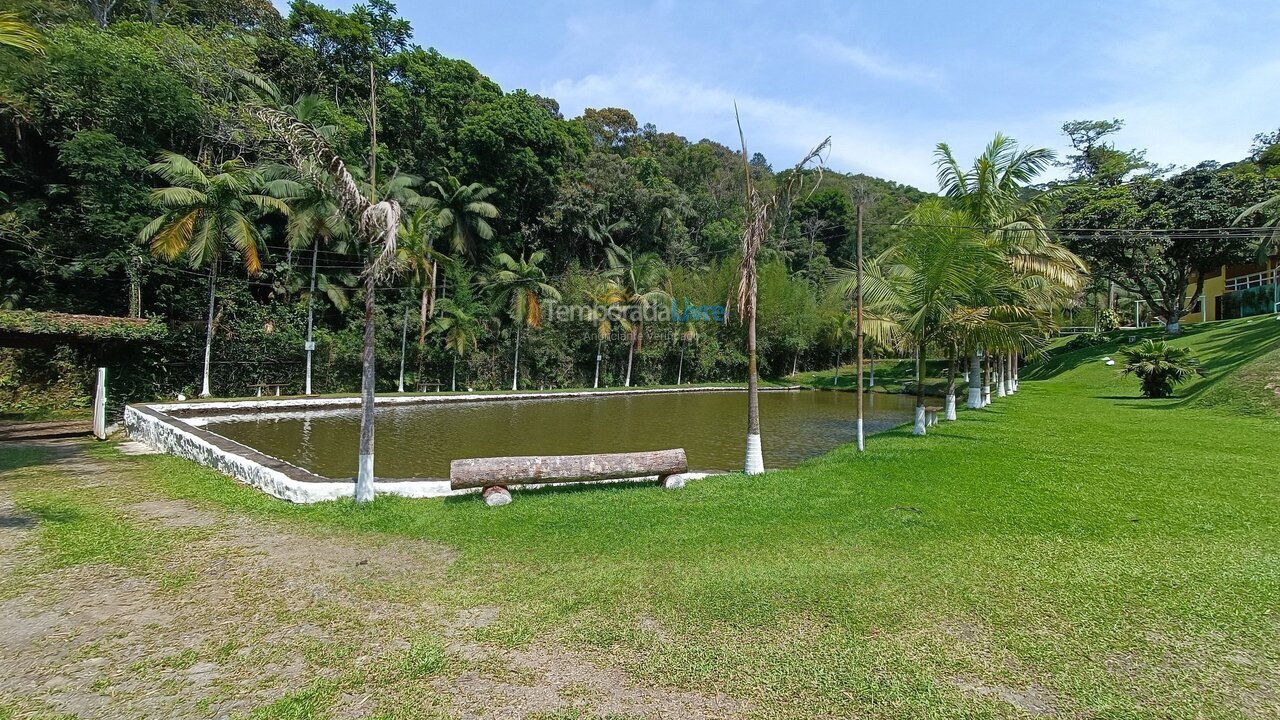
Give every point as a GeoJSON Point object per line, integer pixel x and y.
{"type": "Point", "coordinates": [893, 375]}
{"type": "Point", "coordinates": [1072, 550]}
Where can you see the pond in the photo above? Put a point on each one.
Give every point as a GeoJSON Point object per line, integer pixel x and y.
{"type": "Point", "coordinates": [420, 440]}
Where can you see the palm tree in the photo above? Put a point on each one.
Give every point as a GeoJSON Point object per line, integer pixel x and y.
{"type": "Point", "coordinates": [917, 287]}
{"type": "Point", "coordinates": [760, 214]}
{"type": "Point", "coordinates": [995, 196]}
{"type": "Point", "coordinates": [463, 214]}
{"type": "Point", "coordinates": [16, 34]}
{"type": "Point", "coordinates": [521, 286]}
{"type": "Point", "coordinates": [316, 220]}
{"type": "Point", "coordinates": [206, 213]}
{"type": "Point", "coordinates": [458, 319]}
{"type": "Point", "coordinates": [418, 260]}
{"type": "Point", "coordinates": [845, 326]}
{"type": "Point", "coordinates": [640, 280]}
{"type": "Point", "coordinates": [1160, 366]}
{"type": "Point", "coordinates": [602, 295]}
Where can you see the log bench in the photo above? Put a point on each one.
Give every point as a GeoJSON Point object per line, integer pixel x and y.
{"type": "Point", "coordinates": [931, 414]}
{"type": "Point", "coordinates": [495, 475]}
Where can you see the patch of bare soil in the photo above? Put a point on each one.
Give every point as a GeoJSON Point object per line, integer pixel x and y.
{"type": "Point", "coordinates": [237, 613]}
{"type": "Point", "coordinates": [1032, 699]}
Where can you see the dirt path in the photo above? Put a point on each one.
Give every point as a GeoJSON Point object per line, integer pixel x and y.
{"type": "Point", "coordinates": [115, 604]}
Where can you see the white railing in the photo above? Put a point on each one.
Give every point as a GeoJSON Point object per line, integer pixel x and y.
{"type": "Point", "coordinates": [1252, 280]}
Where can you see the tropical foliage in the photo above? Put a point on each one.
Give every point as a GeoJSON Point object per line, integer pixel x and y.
{"type": "Point", "coordinates": [1160, 366]}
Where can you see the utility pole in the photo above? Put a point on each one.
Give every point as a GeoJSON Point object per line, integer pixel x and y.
{"type": "Point", "coordinates": [858, 325]}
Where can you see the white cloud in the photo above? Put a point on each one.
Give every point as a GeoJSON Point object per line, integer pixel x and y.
{"type": "Point", "coordinates": [782, 130]}
{"type": "Point", "coordinates": [832, 50]}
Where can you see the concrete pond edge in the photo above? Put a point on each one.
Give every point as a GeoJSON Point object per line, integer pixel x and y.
{"type": "Point", "coordinates": [177, 429]}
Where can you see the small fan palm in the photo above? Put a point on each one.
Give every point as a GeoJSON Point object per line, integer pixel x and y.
{"type": "Point", "coordinates": [1160, 366]}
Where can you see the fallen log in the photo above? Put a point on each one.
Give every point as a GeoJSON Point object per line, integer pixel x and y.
{"type": "Point", "coordinates": [539, 469]}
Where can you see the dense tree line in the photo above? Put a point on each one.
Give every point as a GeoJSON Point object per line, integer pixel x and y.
{"type": "Point", "coordinates": [91, 127]}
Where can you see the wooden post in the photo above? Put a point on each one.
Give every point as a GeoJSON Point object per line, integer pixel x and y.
{"type": "Point", "coordinates": [100, 406]}
{"type": "Point", "coordinates": [861, 446]}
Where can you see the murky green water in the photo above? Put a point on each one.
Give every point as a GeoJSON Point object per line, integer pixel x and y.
{"type": "Point", "coordinates": [421, 440]}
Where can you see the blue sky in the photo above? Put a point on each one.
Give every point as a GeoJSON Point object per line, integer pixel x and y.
{"type": "Point", "coordinates": [1193, 80]}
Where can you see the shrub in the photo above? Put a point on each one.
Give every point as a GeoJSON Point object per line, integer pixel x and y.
{"type": "Point", "coordinates": [1108, 319]}
{"type": "Point", "coordinates": [1160, 366]}
{"type": "Point", "coordinates": [1085, 340]}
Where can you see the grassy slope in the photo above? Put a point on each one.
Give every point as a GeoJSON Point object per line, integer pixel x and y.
{"type": "Point", "coordinates": [1116, 556]}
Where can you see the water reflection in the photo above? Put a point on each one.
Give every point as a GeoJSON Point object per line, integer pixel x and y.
{"type": "Point", "coordinates": [421, 440]}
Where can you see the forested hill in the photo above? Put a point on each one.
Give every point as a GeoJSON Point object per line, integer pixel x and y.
{"type": "Point", "coordinates": [82, 123]}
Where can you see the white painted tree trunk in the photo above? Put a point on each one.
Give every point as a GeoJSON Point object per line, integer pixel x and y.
{"type": "Point", "coordinates": [599, 355]}
{"type": "Point", "coordinates": [311, 306]}
{"type": "Point", "coordinates": [919, 428]}
{"type": "Point", "coordinates": [680, 367]}
{"type": "Point", "coordinates": [404, 345]}
{"type": "Point", "coordinates": [1000, 378]}
{"type": "Point", "coordinates": [208, 333]}
{"type": "Point", "coordinates": [975, 383]}
{"type": "Point", "coordinates": [515, 371]}
{"type": "Point", "coordinates": [1173, 328]}
{"type": "Point", "coordinates": [631, 353]}
{"type": "Point", "coordinates": [453, 383]}
{"type": "Point", "coordinates": [754, 463]}
{"type": "Point", "coordinates": [950, 406]}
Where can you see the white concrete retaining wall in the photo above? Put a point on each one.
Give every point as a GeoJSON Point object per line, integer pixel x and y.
{"type": "Point", "coordinates": [185, 437]}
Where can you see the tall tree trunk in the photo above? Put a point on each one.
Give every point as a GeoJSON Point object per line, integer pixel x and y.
{"type": "Point", "coordinates": [837, 381]}
{"type": "Point", "coordinates": [364, 479]}
{"type": "Point", "coordinates": [986, 381]}
{"type": "Point", "coordinates": [1000, 378]}
{"type": "Point", "coordinates": [919, 428]}
{"type": "Point", "coordinates": [404, 346]}
{"type": "Point", "coordinates": [422, 319]}
{"type": "Point", "coordinates": [208, 331]}
{"type": "Point", "coordinates": [599, 356]}
{"type": "Point", "coordinates": [311, 307]}
{"type": "Point", "coordinates": [754, 463]}
{"type": "Point", "coordinates": [453, 384]}
{"type": "Point", "coordinates": [431, 296]}
{"type": "Point", "coordinates": [364, 476]}
{"type": "Point", "coordinates": [949, 404]}
{"type": "Point", "coordinates": [515, 371]}
{"type": "Point", "coordinates": [975, 382]}
{"type": "Point", "coordinates": [858, 329]}
{"type": "Point", "coordinates": [631, 352]}
{"type": "Point", "coordinates": [680, 367]}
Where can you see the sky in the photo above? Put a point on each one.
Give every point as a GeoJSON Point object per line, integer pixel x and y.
{"type": "Point", "coordinates": [1193, 80]}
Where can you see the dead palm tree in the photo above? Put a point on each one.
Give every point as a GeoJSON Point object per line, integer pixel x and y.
{"type": "Point", "coordinates": [377, 225]}
{"type": "Point", "coordinates": [760, 214]}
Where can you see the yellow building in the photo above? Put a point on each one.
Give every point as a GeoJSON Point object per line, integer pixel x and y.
{"type": "Point", "coordinates": [1237, 291]}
